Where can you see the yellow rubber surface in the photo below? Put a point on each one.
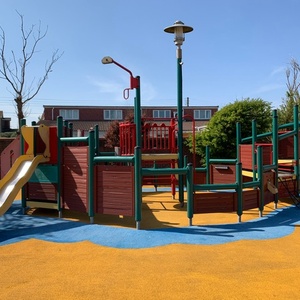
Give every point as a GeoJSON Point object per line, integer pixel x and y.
{"type": "Point", "coordinates": [248, 269]}
{"type": "Point", "coordinates": [266, 269]}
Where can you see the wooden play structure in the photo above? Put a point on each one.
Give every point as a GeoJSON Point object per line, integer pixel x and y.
{"type": "Point", "coordinates": [74, 175]}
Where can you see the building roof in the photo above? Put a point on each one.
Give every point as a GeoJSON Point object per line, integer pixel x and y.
{"type": "Point", "coordinates": [131, 107]}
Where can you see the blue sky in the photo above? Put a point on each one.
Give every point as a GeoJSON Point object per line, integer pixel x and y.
{"type": "Point", "coordinates": [238, 49]}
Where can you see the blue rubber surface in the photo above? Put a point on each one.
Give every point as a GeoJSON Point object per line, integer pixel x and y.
{"type": "Point", "coordinates": [15, 227]}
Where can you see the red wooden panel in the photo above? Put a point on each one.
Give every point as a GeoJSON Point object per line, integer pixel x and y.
{"type": "Point", "coordinates": [250, 199]}
{"type": "Point", "coordinates": [199, 177]}
{"type": "Point", "coordinates": [246, 155]}
{"type": "Point", "coordinates": [283, 188]}
{"type": "Point", "coordinates": [41, 191]}
{"type": "Point", "coordinates": [53, 144]}
{"type": "Point", "coordinates": [286, 147]}
{"type": "Point", "coordinates": [114, 193]}
{"type": "Point", "coordinates": [75, 181]}
{"type": "Point", "coordinates": [9, 155]}
{"type": "Point", "coordinates": [223, 173]}
{"type": "Point", "coordinates": [39, 143]}
{"type": "Point", "coordinates": [209, 202]}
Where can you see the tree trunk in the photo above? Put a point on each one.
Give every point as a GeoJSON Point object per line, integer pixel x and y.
{"type": "Point", "coordinates": [19, 105]}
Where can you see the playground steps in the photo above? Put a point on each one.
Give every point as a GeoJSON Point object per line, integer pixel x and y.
{"type": "Point", "coordinates": [42, 204]}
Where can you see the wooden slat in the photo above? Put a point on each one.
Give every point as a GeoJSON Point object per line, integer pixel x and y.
{"type": "Point", "coordinates": [75, 172]}
{"type": "Point", "coordinates": [114, 190]}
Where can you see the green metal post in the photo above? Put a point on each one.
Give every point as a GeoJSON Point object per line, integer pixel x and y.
{"type": "Point", "coordinates": [138, 185]}
{"type": "Point", "coordinates": [239, 180]}
{"type": "Point", "coordinates": [91, 175]}
{"type": "Point", "coordinates": [60, 131]}
{"type": "Point", "coordinates": [66, 126]}
{"type": "Point", "coordinates": [70, 127]}
{"type": "Point", "coordinates": [190, 193]}
{"type": "Point", "coordinates": [179, 121]}
{"type": "Point", "coordinates": [137, 114]}
{"type": "Point", "coordinates": [238, 141]}
{"type": "Point", "coordinates": [207, 155]}
{"type": "Point", "coordinates": [275, 152]}
{"type": "Point", "coordinates": [96, 139]}
{"type": "Point", "coordinates": [138, 155]}
{"type": "Point", "coordinates": [296, 147]}
{"type": "Point", "coordinates": [260, 174]}
{"type": "Point", "coordinates": [22, 151]}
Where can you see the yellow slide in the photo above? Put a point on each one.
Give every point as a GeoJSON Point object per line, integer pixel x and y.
{"type": "Point", "coordinates": [16, 177]}
{"type": "Point", "coordinates": [23, 167]}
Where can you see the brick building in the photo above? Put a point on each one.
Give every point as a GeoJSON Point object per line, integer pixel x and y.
{"type": "Point", "coordinates": [85, 117]}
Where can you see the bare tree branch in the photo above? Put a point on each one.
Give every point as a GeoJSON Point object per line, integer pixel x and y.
{"type": "Point", "coordinates": [285, 112]}
{"type": "Point", "coordinates": [14, 70]}
{"type": "Point", "coordinates": [48, 68]}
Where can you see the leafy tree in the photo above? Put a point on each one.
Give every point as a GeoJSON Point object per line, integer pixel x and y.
{"type": "Point", "coordinates": [285, 111]}
{"type": "Point", "coordinates": [14, 69]}
{"type": "Point", "coordinates": [112, 136]}
{"type": "Point", "coordinates": [220, 134]}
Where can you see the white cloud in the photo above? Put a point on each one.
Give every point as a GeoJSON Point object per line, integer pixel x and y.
{"type": "Point", "coordinates": [114, 89]}
{"type": "Point", "coordinates": [104, 85]}
{"type": "Point", "coordinates": [269, 87]}
{"type": "Point", "coordinates": [278, 70]}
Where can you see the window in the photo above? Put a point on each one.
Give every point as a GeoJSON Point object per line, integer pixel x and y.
{"type": "Point", "coordinates": [113, 115]}
{"type": "Point", "coordinates": [69, 114]}
{"type": "Point", "coordinates": [202, 114]}
{"type": "Point", "coordinates": [161, 113]}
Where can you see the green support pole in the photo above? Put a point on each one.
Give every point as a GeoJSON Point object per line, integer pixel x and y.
{"type": "Point", "coordinates": [138, 155]}
{"type": "Point", "coordinates": [22, 151]}
{"type": "Point", "coordinates": [239, 190]}
{"type": "Point", "coordinates": [137, 114]}
{"type": "Point", "coordinates": [70, 127]}
{"type": "Point", "coordinates": [66, 126]}
{"type": "Point", "coordinates": [275, 152]}
{"type": "Point", "coordinates": [207, 155]}
{"type": "Point", "coordinates": [260, 174]}
{"type": "Point", "coordinates": [190, 193]}
{"type": "Point", "coordinates": [91, 211]}
{"type": "Point", "coordinates": [254, 156]}
{"type": "Point", "coordinates": [296, 147]}
{"type": "Point", "coordinates": [138, 185]}
{"type": "Point", "coordinates": [238, 141]}
{"type": "Point", "coordinates": [96, 139]}
{"type": "Point", "coordinates": [179, 121]}
{"type": "Point", "coordinates": [60, 132]}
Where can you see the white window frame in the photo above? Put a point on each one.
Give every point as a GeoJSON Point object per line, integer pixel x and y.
{"type": "Point", "coordinates": [69, 114]}
{"type": "Point", "coordinates": [202, 114]}
{"type": "Point", "coordinates": [113, 114]}
{"type": "Point", "coordinates": [161, 113]}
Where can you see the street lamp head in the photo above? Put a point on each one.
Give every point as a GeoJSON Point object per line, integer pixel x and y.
{"type": "Point", "coordinates": [107, 60]}
{"type": "Point", "coordinates": [179, 29]}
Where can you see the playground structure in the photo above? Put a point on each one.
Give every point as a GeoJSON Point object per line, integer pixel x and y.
{"type": "Point", "coordinates": [60, 172]}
